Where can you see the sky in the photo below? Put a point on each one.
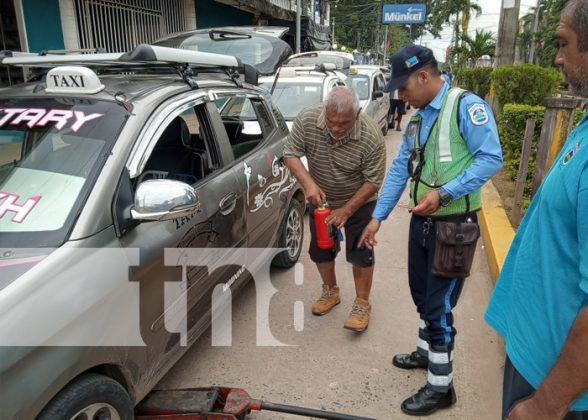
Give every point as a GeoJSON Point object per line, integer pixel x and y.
{"type": "Point", "coordinates": [488, 21]}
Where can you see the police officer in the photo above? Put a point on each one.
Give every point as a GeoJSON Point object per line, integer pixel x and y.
{"type": "Point", "coordinates": [450, 148]}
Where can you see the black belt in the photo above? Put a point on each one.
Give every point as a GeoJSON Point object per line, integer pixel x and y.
{"type": "Point", "coordinates": [450, 218]}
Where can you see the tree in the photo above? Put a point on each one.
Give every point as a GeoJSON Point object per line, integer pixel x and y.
{"type": "Point", "coordinates": [549, 13]}
{"type": "Point", "coordinates": [358, 23]}
{"type": "Point", "coordinates": [457, 12]}
{"type": "Point", "coordinates": [472, 48]}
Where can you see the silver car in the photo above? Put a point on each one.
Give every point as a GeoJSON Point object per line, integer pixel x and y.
{"type": "Point", "coordinates": [368, 82]}
{"type": "Point", "coordinates": [131, 197]}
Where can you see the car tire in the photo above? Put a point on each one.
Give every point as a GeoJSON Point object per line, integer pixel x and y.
{"type": "Point", "coordinates": [291, 236]}
{"type": "Point", "coordinates": [91, 396]}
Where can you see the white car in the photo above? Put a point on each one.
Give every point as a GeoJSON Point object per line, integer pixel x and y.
{"type": "Point", "coordinates": [368, 82]}
{"type": "Point", "coordinates": [299, 87]}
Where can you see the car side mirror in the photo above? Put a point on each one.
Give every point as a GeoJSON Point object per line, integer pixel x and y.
{"type": "Point", "coordinates": [377, 94]}
{"type": "Point", "coordinates": [164, 199]}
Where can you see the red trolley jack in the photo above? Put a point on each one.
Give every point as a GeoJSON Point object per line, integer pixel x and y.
{"type": "Point", "coordinates": [217, 403]}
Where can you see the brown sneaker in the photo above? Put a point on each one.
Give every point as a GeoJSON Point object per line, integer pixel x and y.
{"type": "Point", "coordinates": [359, 317]}
{"type": "Point", "coordinates": [328, 300]}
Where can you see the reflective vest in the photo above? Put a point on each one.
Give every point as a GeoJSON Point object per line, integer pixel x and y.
{"type": "Point", "coordinates": [442, 158]}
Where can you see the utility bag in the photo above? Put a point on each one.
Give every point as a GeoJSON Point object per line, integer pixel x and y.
{"type": "Point", "coordinates": [455, 245]}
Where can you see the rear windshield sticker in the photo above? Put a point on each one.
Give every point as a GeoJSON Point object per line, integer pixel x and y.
{"type": "Point", "coordinates": [41, 117]}
{"type": "Point", "coordinates": [20, 212]}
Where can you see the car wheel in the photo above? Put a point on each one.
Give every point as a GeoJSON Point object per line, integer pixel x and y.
{"type": "Point", "coordinates": [90, 397]}
{"type": "Point", "coordinates": [291, 236]}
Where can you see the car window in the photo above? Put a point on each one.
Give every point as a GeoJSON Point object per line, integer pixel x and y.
{"type": "Point", "coordinates": [182, 151]}
{"type": "Point", "coordinates": [50, 153]}
{"type": "Point", "coordinates": [379, 82]}
{"type": "Point", "coordinates": [247, 122]}
{"type": "Point", "coordinates": [291, 98]}
{"type": "Point", "coordinates": [361, 84]}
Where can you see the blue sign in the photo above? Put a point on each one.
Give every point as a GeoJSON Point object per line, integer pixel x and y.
{"type": "Point", "coordinates": [404, 13]}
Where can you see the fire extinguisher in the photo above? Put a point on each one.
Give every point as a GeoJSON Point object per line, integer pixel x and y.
{"type": "Point", "coordinates": [324, 232]}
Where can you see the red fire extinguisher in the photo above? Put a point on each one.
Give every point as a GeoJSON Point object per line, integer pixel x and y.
{"type": "Point", "coordinates": [324, 232]}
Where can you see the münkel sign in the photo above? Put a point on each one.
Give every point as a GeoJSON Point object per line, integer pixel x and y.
{"type": "Point", "coordinates": [404, 13]}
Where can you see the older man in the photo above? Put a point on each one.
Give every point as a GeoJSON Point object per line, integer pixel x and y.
{"type": "Point", "coordinates": [539, 303]}
{"type": "Point", "coordinates": [346, 164]}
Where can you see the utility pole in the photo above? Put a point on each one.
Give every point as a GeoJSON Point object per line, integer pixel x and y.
{"type": "Point", "coordinates": [507, 33]}
{"type": "Point", "coordinates": [535, 27]}
{"type": "Point", "coordinates": [297, 26]}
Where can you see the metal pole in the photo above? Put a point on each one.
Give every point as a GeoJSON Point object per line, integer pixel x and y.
{"type": "Point", "coordinates": [297, 26]}
{"type": "Point", "coordinates": [385, 43]}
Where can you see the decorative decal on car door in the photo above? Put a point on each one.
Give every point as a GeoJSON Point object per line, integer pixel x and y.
{"type": "Point", "coordinates": [265, 199]}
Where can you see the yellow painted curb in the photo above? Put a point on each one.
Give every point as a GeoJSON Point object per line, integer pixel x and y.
{"type": "Point", "coordinates": [496, 229]}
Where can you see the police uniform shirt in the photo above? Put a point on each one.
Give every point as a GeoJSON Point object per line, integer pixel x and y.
{"type": "Point", "coordinates": [478, 128]}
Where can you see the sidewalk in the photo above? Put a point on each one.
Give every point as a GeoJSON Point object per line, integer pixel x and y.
{"type": "Point", "coordinates": [332, 368]}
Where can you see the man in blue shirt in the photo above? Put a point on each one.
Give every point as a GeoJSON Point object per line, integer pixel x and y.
{"type": "Point", "coordinates": [449, 150]}
{"type": "Point", "coordinates": [539, 303]}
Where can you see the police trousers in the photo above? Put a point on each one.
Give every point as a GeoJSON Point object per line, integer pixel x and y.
{"type": "Point", "coordinates": [435, 297]}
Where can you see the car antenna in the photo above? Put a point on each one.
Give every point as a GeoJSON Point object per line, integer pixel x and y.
{"type": "Point", "coordinates": [275, 80]}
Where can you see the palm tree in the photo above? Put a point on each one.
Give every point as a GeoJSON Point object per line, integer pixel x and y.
{"type": "Point", "coordinates": [458, 11]}
{"type": "Point", "coordinates": [482, 43]}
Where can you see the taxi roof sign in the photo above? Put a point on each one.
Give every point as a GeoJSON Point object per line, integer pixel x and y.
{"type": "Point", "coordinates": [73, 79]}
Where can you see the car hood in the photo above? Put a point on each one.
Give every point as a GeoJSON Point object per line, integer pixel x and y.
{"type": "Point", "coordinates": [16, 262]}
{"type": "Point", "coordinates": [263, 50]}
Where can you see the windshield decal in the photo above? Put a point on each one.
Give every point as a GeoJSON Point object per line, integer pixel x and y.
{"type": "Point", "coordinates": [41, 117]}
{"type": "Point", "coordinates": [9, 205]}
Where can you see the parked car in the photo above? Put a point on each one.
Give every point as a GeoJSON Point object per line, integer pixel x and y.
{"type": "Point", "coordinates": [299, 87]}
{"type": "Point", "coordinates": [112, 172]}
{"type": "Point", "coordinates": [341, 60]}
{"type": "Point", "coordinates": [368, 82]}
{"type": "Point", "coordinates": [259, 46]}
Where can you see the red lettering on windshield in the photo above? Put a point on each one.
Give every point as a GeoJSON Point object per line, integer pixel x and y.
{"type": "Point", "coordinates": [22, 211]}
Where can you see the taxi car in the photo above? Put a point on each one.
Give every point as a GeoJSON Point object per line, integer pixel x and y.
{"type": "Point", "coordinates": [297, 87]}
{"type": "Point", "coordinates": [368, 82]}
{"type": "Point", "coordinates": [128, 197]}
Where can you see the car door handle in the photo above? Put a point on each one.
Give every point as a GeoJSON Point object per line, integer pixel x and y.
{"type": "Point", "coordinates": [228, 203]}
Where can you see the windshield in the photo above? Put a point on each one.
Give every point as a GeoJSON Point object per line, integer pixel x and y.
{"type": "Point", "coordinates": [264, 52]}
{"type": "Point", "coordinates": [50, 153]}
{"type": "Point", "coordinates": [291, 98]}
{"type": "Point", "coordinates": [360, 84]}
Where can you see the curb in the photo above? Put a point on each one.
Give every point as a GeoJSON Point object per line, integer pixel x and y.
{"type": "Point", "coordinates": [496, 229]}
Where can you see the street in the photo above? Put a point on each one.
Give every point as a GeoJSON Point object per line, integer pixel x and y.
{"type": "Point", "coordinates": [328, 367]}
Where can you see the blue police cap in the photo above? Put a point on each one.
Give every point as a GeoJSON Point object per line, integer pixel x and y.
{"type": "Point", "coordinates": [405, 61]}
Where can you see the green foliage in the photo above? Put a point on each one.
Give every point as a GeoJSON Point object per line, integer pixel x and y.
{"type": "Point", "coordinates": [476, 79]}
{"type": "Point", "coordinates": [511, 127]}
{"type": "Point", "coordinates": [527, 84]}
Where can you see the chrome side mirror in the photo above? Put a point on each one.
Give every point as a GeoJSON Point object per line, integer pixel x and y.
{"type": "Point", "coordinates": [164, 199]}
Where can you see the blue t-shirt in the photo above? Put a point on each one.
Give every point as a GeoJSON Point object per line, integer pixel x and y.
{"type": "Point", "coordinates": [543, 285]}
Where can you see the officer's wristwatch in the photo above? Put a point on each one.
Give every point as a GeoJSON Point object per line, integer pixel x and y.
{"type": "Point", "coordinates": [444, 197]}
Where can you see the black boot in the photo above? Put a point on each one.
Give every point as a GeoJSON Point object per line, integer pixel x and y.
{"type": "Point", "coordinates": [427, 401]}
{"type": "Point", "coordinates": [414, 360]}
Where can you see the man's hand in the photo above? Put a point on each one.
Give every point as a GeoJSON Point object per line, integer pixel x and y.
{"type": "Point", "coordinates": [338, 217]}
{"type": "Point", "coordinates": [428, 205]}
{"type": "Point", "coordinates": [314, 194]}
{"type": "Point", "coordinates": [368, 236]}
{"type": "Point", "coordinates": [533, 409]}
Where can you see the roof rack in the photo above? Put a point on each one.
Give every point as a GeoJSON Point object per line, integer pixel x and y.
{"type": "Point", "coordinates": [142, 56]}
